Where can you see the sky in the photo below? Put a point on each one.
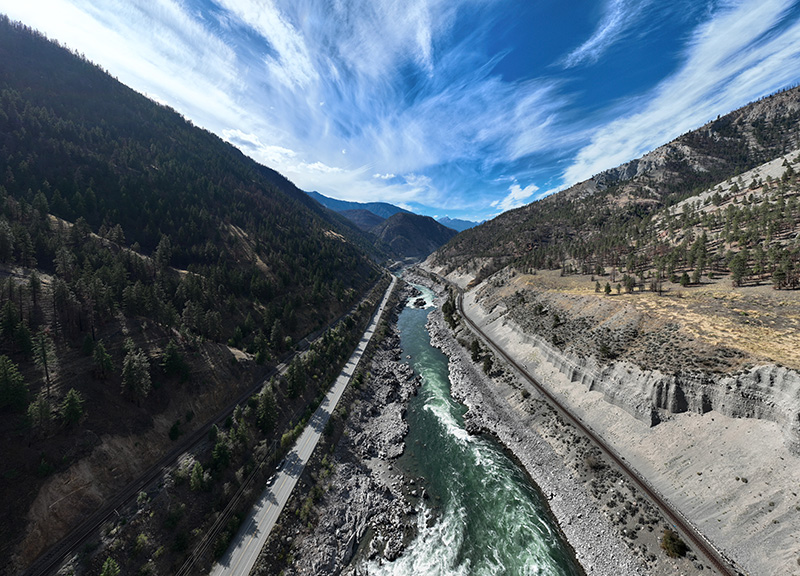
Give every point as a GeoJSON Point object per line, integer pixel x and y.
{"type": "Point", "coordinates": [459, 108]}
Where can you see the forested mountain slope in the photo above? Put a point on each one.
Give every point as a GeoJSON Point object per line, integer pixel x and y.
{"type": "Point", "coordinates": [394, 232]}
{"type": "Point", "coordinates": [665, 292]}
{"type": "Point", "coordinates": [364, 219]}
{"type": "Point", "coordinates": [609, 218]}
{"type": "Point", "coordinates": [77, 144]}
{"type": "Point", "coordinates": [149, 272]}
{"type": "Point", "coordinates": [412, 235]}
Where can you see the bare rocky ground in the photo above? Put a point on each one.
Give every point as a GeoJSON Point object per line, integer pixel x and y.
{"type": "Point", "coordinates": [735, 478]}
{"type": "Point", "coordinates": [353, 501]}
{"type": "Point", "coordinates": [362, 505]}
{"type": "Point", "coordinates": [611, 527]}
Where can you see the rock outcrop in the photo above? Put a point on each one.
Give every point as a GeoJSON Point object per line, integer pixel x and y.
{"type": "Point", "coordinates": [650, 367]}
{"type": "Point", "coordinates": [368, 507]}
{"type": "Point", "coordinates": [767, 392]}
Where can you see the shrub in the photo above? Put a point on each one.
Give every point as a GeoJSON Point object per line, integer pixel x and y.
{"type": "Point", "coordinates": [175, 430]}
{"type": "Point", "coordinates": [110, 567]}
{"type": "Point", "coordinates": [672, 544]}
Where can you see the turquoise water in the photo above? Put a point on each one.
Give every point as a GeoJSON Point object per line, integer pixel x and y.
{"type": "Point", "coordinates": [483, 516]}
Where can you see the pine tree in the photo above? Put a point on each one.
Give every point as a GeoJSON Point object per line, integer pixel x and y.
{"type": "Point", "coordinates": [13, 389]}
{"type": "Point", "coordinates": [196, 479]}
{"type": "Point", "coordinates": [72, 407]}
{"type": "Point", "coordinates": [9, 318]}
{"type": "Point", "coordinates": [172, 362]}
{"type": "Point", "coordinates": [40, 413]}
{"type": "Point", "coordinates": [136, 374]}
{"type": "Point", "coordinates": [267, 412]}
{"type": "Point", "coordinates": [45, 356]}
{"type": "Point", "coordinates": [103, 363]}
{"type": "Point", "coordinates": [163, 253]}
{"type": "Point", "coordinates": [296, 377]}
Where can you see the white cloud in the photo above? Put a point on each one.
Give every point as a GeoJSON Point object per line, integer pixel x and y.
{"type": "Point", "coordinates": [516, 197]}
{"type": "Point", "coordinates": [291, 62]}
{"type": "Point", "coordinates": [320, 168]}
{"type": "Point", "coordinates": [154, 46]}
{"type": "Point", "coordinates": [732, 59]}
{"type": "Point", "coordinates": [276, 157]}
{"type": "Point", "coordinates": [618, 15]}
{"type": "Point", "coordinates": [406, 94]}
{"type": "Point", "coordinates": [266, 97]}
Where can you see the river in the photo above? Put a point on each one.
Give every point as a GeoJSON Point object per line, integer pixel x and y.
{"type": "Point", "coordinates": [483, 515]}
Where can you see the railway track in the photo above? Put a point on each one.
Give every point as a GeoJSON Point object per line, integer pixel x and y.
{"type": "Point", "coordinates": [699, 542]}
{"type": "Point", "coordinates": [51, 560]}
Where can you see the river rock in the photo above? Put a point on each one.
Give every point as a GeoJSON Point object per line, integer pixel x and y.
{"type": "Point", "coordinates": [363, 499]}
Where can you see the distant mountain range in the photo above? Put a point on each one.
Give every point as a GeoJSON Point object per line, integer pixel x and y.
{"type": "Point", "coordinates": [402, 233]}
{"type": "Point", "coordinates": [456, 224]}
{"type": "Point", "coordinates": [382, 209]}
{"type": "Point", "coordinates": [411, 235]}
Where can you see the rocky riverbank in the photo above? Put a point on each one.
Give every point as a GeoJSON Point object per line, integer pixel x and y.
{"type": "Point", "coordinates": [612, 528]}
{"type": "Point", "coordinates": [727, 463]}
{"type": "Point", "coordinates": [356, 503]}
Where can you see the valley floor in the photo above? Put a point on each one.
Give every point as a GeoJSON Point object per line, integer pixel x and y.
{"type": "Point", "coordinates": [735, 479]}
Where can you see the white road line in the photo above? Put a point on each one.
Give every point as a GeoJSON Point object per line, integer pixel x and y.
{"type": "Point", "coordinates": [243, 552]}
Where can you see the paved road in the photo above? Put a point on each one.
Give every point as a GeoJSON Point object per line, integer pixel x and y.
{"type": "Point", "coordinates": [246, 546]}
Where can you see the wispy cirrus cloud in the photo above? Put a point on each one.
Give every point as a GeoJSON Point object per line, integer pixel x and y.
{"type": "Point", "coordinates": [618, 17]}
{"type": "Point", "coordinates": [431, 103]}
{"type": "Point", "coordinates": [744, 50]}
{"type": "Point", "coordinates": [387, 83]}
{"type": "Point", "coordinates": [154, 46]}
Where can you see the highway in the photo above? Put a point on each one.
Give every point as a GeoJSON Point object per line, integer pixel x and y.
{"type": "Point", "coordinates": [50, 561]}
{"type": "Point", "coordinates": [246, 545]}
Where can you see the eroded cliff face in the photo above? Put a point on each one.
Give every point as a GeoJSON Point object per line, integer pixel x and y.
{"type": "Point", "coordinates": [567, 340]}
{"type": "Point", "coordinates": [766, 392]}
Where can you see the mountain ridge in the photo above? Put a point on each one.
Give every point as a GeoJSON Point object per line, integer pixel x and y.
{"type": "Point", "coordinates": [606, 213]}
{"type": "Point", "coordinates": [162, 273]}
{"type": "Point", "coordinates": [402, 234]}
{"type": "Point", "coordinates": [382, 209]}
{"type": "Point", "coordinates": [412, 235]}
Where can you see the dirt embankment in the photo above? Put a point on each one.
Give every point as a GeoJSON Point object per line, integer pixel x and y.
{"type": "Point", "coordinates": [685, 387]}
{"type": "Point", "coordinates": [612, 528]}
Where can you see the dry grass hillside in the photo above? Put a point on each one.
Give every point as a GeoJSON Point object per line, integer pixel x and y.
{"type": "Point", "coordinates": [712, 326]}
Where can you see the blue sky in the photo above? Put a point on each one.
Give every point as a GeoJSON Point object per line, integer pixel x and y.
{"type": "Point", "coordinates": [463, 108]}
